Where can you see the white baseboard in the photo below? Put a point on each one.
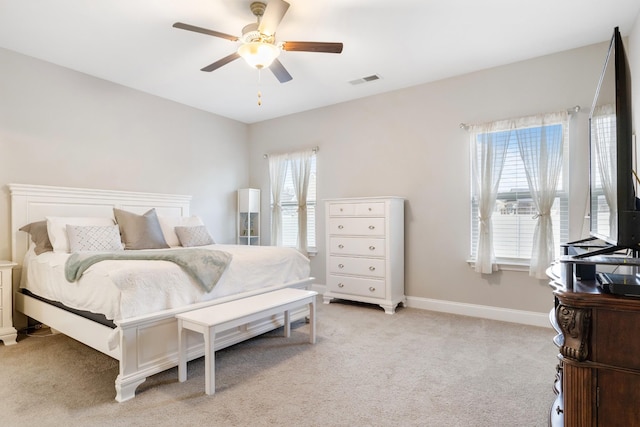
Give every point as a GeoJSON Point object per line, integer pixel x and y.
{"type": "Point", "coordinates": [531, 318]}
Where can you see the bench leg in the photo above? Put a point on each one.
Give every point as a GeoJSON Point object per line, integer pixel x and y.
{"type": "Point", "coordinates": [182, 353]}
{"type": "Point", "coordinates": [312, 321]}
{"type": "Point", "coordinates": [210, 361]}
{"type": "Point", "coordinates": [287, 324]}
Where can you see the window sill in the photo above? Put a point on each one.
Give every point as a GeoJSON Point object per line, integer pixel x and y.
{"type": "Point", "coordinates": [506, 264]}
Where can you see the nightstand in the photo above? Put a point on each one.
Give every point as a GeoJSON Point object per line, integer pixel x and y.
{"type": "Point", "coordinates": [8, 333]}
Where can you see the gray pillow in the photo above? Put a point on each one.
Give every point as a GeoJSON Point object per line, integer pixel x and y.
{"type": "Point", "coordinates": [196, 235]}
{"type": "Point", "coordinates": [39, 236]}
{"type": "Point", "coordinates": [140, 231]}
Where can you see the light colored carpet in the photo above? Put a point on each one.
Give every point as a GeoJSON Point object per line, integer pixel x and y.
{"type": "Point", "coordinates": [413, 368]}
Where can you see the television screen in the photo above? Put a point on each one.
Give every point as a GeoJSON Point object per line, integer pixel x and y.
{"type": "Point", "coordinates": [604, 197]}
{"type": "Point", "coordinates": [614, 216]}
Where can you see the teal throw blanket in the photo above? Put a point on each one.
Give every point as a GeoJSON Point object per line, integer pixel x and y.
{"type": "Point", "coordinates": [204, 265]}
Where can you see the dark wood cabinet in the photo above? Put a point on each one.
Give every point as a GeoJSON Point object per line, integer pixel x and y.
{"type": "Point", "coordinates": [598, 373]}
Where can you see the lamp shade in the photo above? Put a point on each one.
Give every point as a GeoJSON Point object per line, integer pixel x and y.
{"type": "Point", "coordinates": [259, 54]}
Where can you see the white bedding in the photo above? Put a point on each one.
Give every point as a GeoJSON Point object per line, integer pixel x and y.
{"type": "Point", "coordinates": [126, 289]}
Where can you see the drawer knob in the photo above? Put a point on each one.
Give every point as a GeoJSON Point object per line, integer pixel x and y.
{"type": "Point", "coordinates": [372, 268]}
{"type": "Point", "coordinates": [371, 227]}
{"type": "Point", "coordinates": [372, 248]}
{"type": "Point", "coordinates": [340, 265]}
{"type": "Point", "coordinates": [341, 227]}
{"type": "Point", "coordinates": [340, 285]}
{"type": "Point", "coordinates": [341, 246]}
{"type": "Point", "coordinates": [372, 289]}
{"type": "Point", "coordinates": [341, 209]}
{"type": "Point", "coordinates": [369, 209]}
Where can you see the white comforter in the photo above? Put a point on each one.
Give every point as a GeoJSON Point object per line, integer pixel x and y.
{"type": "Point", "coordinates": [126, 289]}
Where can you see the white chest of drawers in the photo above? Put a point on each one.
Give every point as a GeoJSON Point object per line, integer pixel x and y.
{"type": "Point", "coordinates": [365, 251]}
{"type": "Point", "coordinates": [8, 333]}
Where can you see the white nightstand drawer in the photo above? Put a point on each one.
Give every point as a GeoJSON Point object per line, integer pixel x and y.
{"type": "Point", "coordinates": [357, 246]}
{"type": "Point", "coordinates": [357, 209]}
{"type": "Point", "coordinates": [373, 288]}
{"type": "Point", "coordinates": [357, 266]}
{"type": "Point", "coordinates": [357, 226]}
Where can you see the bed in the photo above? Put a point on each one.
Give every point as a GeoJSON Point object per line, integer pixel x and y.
{"type": "Point", "coordinates": [141, 333]}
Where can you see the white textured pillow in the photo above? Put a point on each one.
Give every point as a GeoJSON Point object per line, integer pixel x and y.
{"type": "Point", "coordinates": [94, 238]}
{"type": "Point", "coordinates": [196, 235]}
{"type": "Point", "coordinates": [57, 229]}
{"type": "Point", "coordinates": [169, 223]}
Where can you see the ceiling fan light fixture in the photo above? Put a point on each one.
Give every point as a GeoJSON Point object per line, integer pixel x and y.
{"type": "Point", "coordinates": [259, 54]}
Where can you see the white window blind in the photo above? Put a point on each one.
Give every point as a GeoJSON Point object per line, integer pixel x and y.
{"type": "Point", "coordinates": [289, 204]}
{"type": "Point", "coordinates": [514, 217]}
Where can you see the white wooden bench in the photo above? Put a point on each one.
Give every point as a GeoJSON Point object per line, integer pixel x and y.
{"type": "Point", "coordinates": [221, 317]}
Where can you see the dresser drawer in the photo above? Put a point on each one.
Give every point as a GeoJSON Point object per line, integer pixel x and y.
{"type": "Point", "coordinates": [357, 266]}
{"type": "Point", "coordinates": [357, 209]}
{"type": "Point", "coordinates": [373, 288]}
{"type": "Point", "coordinates": [357, 246]}
{"type": "Point", "coordinates": [357, 226]}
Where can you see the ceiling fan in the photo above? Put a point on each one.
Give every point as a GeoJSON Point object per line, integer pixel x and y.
{"type": "Point", "coordinates": [259, 47]}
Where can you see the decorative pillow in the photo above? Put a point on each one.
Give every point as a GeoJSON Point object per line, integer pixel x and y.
{"type": "Point", "coordinates": [57, 229]}
{"type": "Point", "coordinates": [140, 231]}
{"type": "Point", "coordinates": [169, 223]}
{"type": "Point", "coordinates": [39, 236]}
{"type": "Point", "coordinates": [196, 235]}
{"type": "Point", "coordinates": [94, 238]}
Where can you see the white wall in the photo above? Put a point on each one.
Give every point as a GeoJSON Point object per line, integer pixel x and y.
{"type": "Point", "coordinates": [60, 127]}
{"type": "Point", "coordinates": [408, 143]}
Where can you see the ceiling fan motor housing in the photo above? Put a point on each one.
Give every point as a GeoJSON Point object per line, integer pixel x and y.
{"type": "Point", "coordinates": [250, 33]}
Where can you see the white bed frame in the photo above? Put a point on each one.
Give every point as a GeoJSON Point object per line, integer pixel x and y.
{"type": "Point", "coordinates": [144, 345]}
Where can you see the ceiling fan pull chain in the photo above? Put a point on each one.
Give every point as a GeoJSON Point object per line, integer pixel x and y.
{"type": "Point", "coordinates": [259, 93]}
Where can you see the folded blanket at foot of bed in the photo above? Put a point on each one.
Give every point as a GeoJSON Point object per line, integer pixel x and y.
{"type": "Point", "coordinates": [206, 266]}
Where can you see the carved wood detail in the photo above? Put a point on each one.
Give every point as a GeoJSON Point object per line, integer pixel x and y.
{"type": "Point", "coordinates": [575, 324]}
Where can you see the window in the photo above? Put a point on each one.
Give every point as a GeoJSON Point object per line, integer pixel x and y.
{"type": "Point", "coordinates": [515, 216]}
{"type": "Point", "coordinates": [289, 203]}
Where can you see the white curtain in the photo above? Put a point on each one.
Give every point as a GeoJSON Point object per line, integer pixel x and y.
{"type": "Point", "coordinates": [277, 174]}
{"type": "Point", "coordinates": [604, 138]}
{"type": "Point", "coordinates": [300, 171]}
{"type": "Point", "coordinates": [541, 149]}
{"type": "Point", "coordinates": [489, 144]}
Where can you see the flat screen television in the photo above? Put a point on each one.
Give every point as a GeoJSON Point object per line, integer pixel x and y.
{"type": "Point", "coordinates": [614, 211]}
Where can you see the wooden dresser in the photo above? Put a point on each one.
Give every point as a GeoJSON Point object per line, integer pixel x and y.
{"type": "Point", "coordinates": [365, 251]}
{"type": "Point", "coordinates": [598, 374]}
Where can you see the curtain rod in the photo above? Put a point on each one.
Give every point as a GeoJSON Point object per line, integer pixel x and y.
{"type": "Point", "coordinates": [571, 110]}
{"type": "Point", "coordinates": [314, 149]}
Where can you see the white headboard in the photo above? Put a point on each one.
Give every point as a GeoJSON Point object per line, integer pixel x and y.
{"type": "Point", "coordinates": [31, 203]}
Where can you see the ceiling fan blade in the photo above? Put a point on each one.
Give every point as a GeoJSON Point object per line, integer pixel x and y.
{"type": "Point", "coordinates": [205, 31]}
{"type": "Point", "coordinates": [323, 47]}
{"type": "Point", "coordinates": [220, 62]}
{"type": "Point", "coordinates": [279, 71]}
{"type": "Point", "coordinates": [273, 14]}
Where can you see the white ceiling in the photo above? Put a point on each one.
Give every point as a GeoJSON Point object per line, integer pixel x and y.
{"type": "Point", "coordinates": [405, 42]}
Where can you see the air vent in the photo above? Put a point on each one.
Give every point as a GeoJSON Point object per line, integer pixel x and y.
{"type": "Point", "coordinates": [367, 79]}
